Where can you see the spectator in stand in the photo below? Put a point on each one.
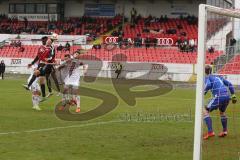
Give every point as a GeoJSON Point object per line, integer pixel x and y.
{"type": "Point", "coordinates": [133, 15]}
{"type": "Point", "coordinates": [182, 47]}
{"type": "Point", "coordinates": [155, 41]}
{"type": "Point", "coordinates": [120, 41]}
{"type": "Point", "coordinates": [2, 69]}
{"type": "Point", "coordinates": [211, 49]}
{"type": "Point", "coordinates": [171, 31]}
{"type": "Point", "coordinates": [97, 46]}
{"type": "Point", "coordinates": [25, 22]}
{"type": "Point", "coordinates": [147, 42]}
{"type": "Point", "coordinates": [165, 19]}
{"type": "Point", "coordinates": [179, 42]}
{"type": "Point", "coordinates": [233, 41]}
{"type": "Point", "coordinates": [118, 70]}
{"type": "Point", "coordinates": [60, 47]}
{"type": "Point", "coordinates": [13, 43]}
{"type": "Point", "coordinates": [185, 45]}
{"type": "Point", "coordinates": [146, 30]}
{"type": "Point", "coordinates": [161, 19]}
{"type": "Point", "coordinates": [18, 44]}
{"type": "Point", "coordinates": [138, 41]}
{"type": "Point", "coordinates": [192, 20]}
{"type": "Point", "coordinates": [191, 45]}
{"type": "Point", "coordinates": [67, 47]}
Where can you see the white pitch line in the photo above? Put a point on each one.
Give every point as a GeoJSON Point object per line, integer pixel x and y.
{"type": "Point", "coordinates": [56, 128]}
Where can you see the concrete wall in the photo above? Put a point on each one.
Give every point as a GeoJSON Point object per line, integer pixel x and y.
{"type": "Point", "coordinates": [75, 8]}
{"type": "Point", "coordinates": [156, 8]}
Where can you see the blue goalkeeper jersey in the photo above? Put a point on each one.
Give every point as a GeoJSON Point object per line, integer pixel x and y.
{"type": "Point", "coordinates": [218, 86]}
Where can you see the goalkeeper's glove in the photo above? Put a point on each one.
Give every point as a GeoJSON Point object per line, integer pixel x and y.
{"type": "Point", "coordinates": [234, 99]}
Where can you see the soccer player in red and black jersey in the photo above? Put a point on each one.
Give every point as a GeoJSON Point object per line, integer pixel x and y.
{"type": "Point", "coordinates": [42, 58]}
{"type": "Point", "coordinates": [50, 70]}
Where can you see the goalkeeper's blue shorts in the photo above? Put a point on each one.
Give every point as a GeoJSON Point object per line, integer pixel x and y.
{"type": "Point", "coordinates": [220, 103]}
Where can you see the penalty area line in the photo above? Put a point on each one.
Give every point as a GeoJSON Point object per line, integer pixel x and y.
{"type": "Point", "coordinates": [57, 128]}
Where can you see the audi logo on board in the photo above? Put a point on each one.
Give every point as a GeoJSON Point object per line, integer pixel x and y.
{"type": "Point", "coordinates": [160, 41]}
{"type": "Point", "coordinates": [108, 40]}
{"type": "Point", "coordinates": [165, 41]}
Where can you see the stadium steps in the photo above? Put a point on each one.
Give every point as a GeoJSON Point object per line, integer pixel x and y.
{"type": "Point", "coordinates": [232, 67]}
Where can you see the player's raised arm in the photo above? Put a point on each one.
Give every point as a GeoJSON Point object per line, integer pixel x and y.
{"type": "Point", "coordinates": [34, 61]}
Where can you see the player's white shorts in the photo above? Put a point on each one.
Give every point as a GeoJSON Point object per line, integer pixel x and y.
{"type": "Point", "coordinates": [72, 81]}
{"type": "Point", "coordinates": [35, 86]}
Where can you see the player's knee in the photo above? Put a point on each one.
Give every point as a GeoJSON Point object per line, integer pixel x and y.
{"type": "Point", "coordinates": [36, 72]}
{"type": "Point", "coordinates": [222, 113]}
{"type": "Point", "coordinates": [205, 113]}
{"type": "Point", "coordinates": [42, 80]}
{"type": "Point", "coordinates": [37, 93]}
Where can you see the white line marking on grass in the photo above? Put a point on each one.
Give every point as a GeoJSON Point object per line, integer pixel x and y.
{"type": "Point", "coordinates": [64, 127]}
{"type": "Point", "coordinates": [79, 126]}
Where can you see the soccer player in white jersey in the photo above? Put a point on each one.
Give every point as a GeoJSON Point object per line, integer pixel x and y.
{"type": "Point", "coordinates": [72, 80]}
{"type": "Point", "coordinates": [36, 91]}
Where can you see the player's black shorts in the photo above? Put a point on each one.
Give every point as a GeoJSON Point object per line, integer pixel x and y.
{"type": "Point", "coordinates": [41, 68]}
{"type": "Point", "coordinates": [48, 69]}
{"type": "Point", "coordinates": [45, 69]}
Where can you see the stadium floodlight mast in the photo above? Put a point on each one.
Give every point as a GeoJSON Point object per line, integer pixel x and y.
{"type": "Point", "coordinates": [202, 31]}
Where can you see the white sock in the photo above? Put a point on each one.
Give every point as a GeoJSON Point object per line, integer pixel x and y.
{"type": "Point", "coordinates": [77, 97]}
{"type": "Point", "coordinates": [35, 100]}
{"type": "Point", "coordinates": [64, 99]}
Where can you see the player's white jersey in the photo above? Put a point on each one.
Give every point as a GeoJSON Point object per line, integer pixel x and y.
{"type": "Point", "coordinates": [73, 72]}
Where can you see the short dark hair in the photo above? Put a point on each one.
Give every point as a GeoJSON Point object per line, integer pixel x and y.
{"type": "Point", "coordinates": [44, 40]}
{"type": "Point", "coordinates": [208, 69]}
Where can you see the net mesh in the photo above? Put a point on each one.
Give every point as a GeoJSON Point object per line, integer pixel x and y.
{"type": "Point", "coordinates": [223, 56]}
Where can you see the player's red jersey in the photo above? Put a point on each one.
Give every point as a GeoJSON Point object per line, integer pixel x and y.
{"type": "Point", "coordinates": [43, 53]}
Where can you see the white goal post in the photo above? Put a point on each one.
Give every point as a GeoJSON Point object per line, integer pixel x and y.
{"type": "Point", "coordinates": [202, 38]}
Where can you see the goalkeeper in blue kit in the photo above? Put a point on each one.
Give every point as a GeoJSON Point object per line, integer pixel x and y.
{"type": "Point", "coordinates": [220, 99]}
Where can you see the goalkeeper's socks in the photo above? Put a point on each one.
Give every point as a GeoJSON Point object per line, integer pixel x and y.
{"type": "Point", "coordinates": [32, 80]}
{"type": "Point", "coordinates": [224, 123]}
{"type": "Point", "coordinates": [208, 122]}
{"type": "Point", "coordinates": [43, 90]}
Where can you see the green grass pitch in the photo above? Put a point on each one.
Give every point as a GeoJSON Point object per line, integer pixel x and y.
{"type": "Point", "coordinates": [157, 128]}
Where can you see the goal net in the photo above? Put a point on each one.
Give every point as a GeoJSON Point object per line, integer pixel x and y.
{"type": "Point", "coordinates": [217, 47]}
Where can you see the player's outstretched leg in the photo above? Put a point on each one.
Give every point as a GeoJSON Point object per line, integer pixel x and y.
{"type": "Point", "coordinates": [42, 86]}
{"type": "Point", "coordinates": [49, 85]}
{"type": "Point", "coordinates": [76, 98]}
{"type": "Point", "coordinates": [36, 99]}
{"type": "Point", "coordinates": [208, 122]}
{"type": "Point", "coordinates": [65, 98]}
{"type": "Point", "coordinates": [224, 124]}
{"type": "Point", "coordinates": [33, 78]}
